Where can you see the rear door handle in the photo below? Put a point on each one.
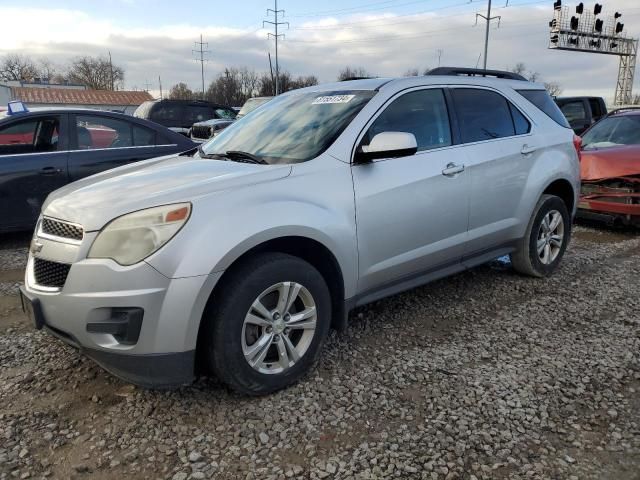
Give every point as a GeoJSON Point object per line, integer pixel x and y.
{"type": "Point", "coordinates": [50, 171]}
{"type": "Point", "coordinates": [527, 149]}
{"type": "Point", "coordinates": [452, 169]}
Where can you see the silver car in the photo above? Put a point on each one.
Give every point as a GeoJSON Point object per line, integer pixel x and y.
{"type": "Point", "coordinates": [236, 260]}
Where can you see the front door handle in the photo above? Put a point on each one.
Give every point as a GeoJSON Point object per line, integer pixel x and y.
{"type": "Point", "coordinates": [452, 169]}
{"type": "Point", "coordinates": [527, 149]}
{"type": "Point", "coordinates": [50, 171]}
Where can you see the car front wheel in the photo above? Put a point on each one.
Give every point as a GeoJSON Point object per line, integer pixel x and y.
{"type": "Point", "coordinates": [267, 323]}
{"type": "Point", "coordinates": [541, 249]}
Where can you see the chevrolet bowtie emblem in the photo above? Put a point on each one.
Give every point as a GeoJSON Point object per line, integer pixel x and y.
{"type": "Point", "coordinates": [35, 247]}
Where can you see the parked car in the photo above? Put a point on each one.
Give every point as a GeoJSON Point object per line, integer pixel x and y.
{"type": "Point", "coordinates": [251, 104]}
{"type": "Point", "coordinates": [610, 169]}
{"type": "Point", "coordinates": [582, 112]}
{"type": "Point", "coordinates": [203, 131]}
{"type": "Point", "coordinates": [245, 254]}
{"type": "Point", "coordinates": [179, 115]}
{"type": "Point", "coordinates": [45, 149]}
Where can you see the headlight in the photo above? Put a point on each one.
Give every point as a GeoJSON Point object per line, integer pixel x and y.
{"type": "Point", "coordinates": [133, 237]}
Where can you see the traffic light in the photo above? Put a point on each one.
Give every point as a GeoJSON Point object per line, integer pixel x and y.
{"type": "Point", "coordinates": [557, 5]}
{"type": "Point", "coordinates": [580, 8]}
{"type": "Point", "coordinates": [573, 40]}
{"type": "Point", "coordinates": [599, 24]}
{"type": "Point", "coordinates": [617, 15]}
{"type": "Point", "coordinates": [574, 23]}
{"type": "Point", "coordinates": [597, 9]}
{"type": "Point", "coordinates": [554, 38]}
{"type": "Point", "coordinates": [595, 43]}
{"type": "Point", "coordinates": [619, 27]}
{"type": "Point", "coordinates": [613, 45]}
{"type": "Point", "coordinates": [553, 23]}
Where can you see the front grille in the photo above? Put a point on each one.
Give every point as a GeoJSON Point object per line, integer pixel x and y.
{"type": "Point", "coordinates": [61, 229]}
{"type": "Point", "coordinates": [50, 274]}
{"type": "Point", "coordinates": [201, 131]}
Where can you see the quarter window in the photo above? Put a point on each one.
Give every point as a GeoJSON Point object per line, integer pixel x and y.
{"type": "Point", "coordinates": [482, 115]}
{"type": "Point", "coordinates": [422, 112]}
{"type": "Point", "coordinates": [520, 123]}
{"type": "Point", "coordinates": [30, 136]}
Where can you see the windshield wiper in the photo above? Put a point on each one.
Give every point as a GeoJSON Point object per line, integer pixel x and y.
{"type": "Point", "coordinates": [247, 157]}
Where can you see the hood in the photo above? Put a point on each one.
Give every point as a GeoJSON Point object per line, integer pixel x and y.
{"type": "Point", "coordinates": [96, 200]}
{"type": "Point", "coordinates": [610, 162]}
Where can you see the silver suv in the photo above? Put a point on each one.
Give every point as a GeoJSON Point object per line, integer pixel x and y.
{"type": "Point", "coordinates": [236, 259]}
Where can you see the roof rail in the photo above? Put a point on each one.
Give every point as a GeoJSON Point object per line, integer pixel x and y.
{"type": "Point", "coordinates": [476, 72]}
{"type": "Point", "coordinates": [348, 79]}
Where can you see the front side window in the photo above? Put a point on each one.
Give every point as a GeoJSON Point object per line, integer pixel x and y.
{"type": "Point", "coordinates": [422, 113]}
{"type": "Point", "coordinates": [30, 136]}
{"type": "Point", "coordinates": [196, 114]}
{"type": "Point", "coordinates": [482, 115]}
{"type": "Point", "coordinates": [613, 132]}
{"type": "Point", "coordinates": [94, 132]}
{"type": "Point", "coordinates": [292, 128]}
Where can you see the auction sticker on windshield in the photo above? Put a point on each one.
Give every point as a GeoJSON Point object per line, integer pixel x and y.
{"type": "Point", "coordinates": [333, 99]}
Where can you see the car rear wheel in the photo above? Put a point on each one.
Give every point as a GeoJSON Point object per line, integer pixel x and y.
{"type": "Point", "coordinates": [540, 251]}
{"type": "Point", "coordinates": [267, 323]}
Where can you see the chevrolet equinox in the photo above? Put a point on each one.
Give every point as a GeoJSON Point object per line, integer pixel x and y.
{"type": "Point", "coordinates": [237, 258]}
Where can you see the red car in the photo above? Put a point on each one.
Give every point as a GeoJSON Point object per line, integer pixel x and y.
{"type": "Point", "coordinates": [610, 169]}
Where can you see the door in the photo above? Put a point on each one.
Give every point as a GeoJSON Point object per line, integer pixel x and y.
{"type": "Point", "coordinates": [411, 212]}
{"type": "Point", "coordinates": [33, 163]}
{"type": "Point", "coordinates": [500, 153]}
{"type": "Point", "coordinates": [101, 142]}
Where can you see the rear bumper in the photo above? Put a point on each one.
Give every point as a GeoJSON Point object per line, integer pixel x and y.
{"type": "Point", "coordinates": [611, 201]}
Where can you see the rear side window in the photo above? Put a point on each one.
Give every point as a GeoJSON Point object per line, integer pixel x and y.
{"type": "Point", "coordinates": [30, 136]}
{"type": "Point", "coordinates": [542, 100]}
{"type": "Point", "coordinates": [596, 108]}
{"type": "Point", "coordinates": [482, 115]}
{"type": "Point", "coordinates": [166, 114]}
{"type": "Point", "coordinates": [423, 113]}
{"type": "Point", "coordinates": [574, 112]}
{"type": "Point", "coordinates": [143, 136]}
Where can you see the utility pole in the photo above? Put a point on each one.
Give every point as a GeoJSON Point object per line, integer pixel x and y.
{"type": "Point", "coordinates": [111, 70]}
{"type": "Point", "coordinates": [439, 56]}
{"type": "Point", "coordinates": [271, 70]}
{"type": "Point", "coordinates": [276, 24]}
{"type": "Point", "coordinates": [202, 52]}
{"type": "Point", "coordinates": [160, 83]}
{"type": "Point", "coordinates": [487, 19]}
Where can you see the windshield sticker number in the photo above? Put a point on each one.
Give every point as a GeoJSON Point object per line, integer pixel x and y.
{"type": "Point", "coordinates": [329, 99]}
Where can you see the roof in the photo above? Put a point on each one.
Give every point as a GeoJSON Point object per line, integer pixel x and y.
{"type": "Point", "coordinates": [62, 96]}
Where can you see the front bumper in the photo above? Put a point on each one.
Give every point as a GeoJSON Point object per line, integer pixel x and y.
{"type": "Point", "coordinates": [87, 313]}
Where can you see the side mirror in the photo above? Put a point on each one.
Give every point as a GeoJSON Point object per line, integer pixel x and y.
{"type": "Point", "coordinates": [388, 145]}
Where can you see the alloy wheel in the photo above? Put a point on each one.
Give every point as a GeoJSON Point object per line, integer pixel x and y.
{"type": "Point", "coordinates": [550, 237]}
{"type": "Point", "coordinates": [279, 327]}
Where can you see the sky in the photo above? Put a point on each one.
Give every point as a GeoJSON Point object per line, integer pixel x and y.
{"type": "Point", "coordinates": [152, 39]}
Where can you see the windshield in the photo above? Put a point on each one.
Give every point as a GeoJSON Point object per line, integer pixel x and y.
{"type": "Point", "coordinates": [292, 128]}
{"type": "Point", "coordinates": [251, 104]}
{"type": "Point", "coordinates": [613, 132]}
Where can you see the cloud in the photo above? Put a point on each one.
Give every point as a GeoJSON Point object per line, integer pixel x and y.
{"type": "Point", "coordinates": [385, 44]}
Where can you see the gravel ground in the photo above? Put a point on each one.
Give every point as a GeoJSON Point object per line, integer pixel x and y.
{"type": "Point", "coordinates": [485, 375]}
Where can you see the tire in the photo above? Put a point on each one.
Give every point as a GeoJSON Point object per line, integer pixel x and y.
{"type": "Point", "coordinates": [527, 259]}
{"type": "Point", "coordinates": [230, 339]}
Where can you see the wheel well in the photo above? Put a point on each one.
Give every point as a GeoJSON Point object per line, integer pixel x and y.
{"type": "Point", "coordinates": [311, 251]}
{"type": "Point", "coordinates": [564, 190]}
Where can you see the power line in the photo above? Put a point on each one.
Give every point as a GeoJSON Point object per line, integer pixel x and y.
{"type": "Point", "coordinates": [202, 53]}
{"type": "Point", "coordinates": [276, 36]}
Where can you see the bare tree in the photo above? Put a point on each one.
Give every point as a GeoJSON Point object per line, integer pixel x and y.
{"type": "Point", "coordinates": [352, 72]}
{"type": "Point", "coordinates": [181, 91]}
{"type": "Point", "coordinates": [266, 86]}
{"type": "Point", "coordinates": [412, 72]}
{"type": "Point", "coordinates": [553, 88]}
{"type": "Point", "coordinates": [635, 100]}
{"type": "Point", "coordinates": [96, 73]}
{"type": "Point", "coordinates": [17, 67]}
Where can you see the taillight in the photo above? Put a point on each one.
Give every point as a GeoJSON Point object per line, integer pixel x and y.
{"type": "Point", "coordinates": [577, 143]}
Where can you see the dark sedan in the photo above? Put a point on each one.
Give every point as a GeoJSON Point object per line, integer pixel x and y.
{"type": "Point", "coordinates": [43, 150]}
